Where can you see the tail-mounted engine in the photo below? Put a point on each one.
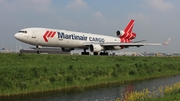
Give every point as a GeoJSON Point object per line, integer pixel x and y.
{"type": "Point", "coordinates": [119, 33]}
{"type": "Point", "coordinates": [125, 35]}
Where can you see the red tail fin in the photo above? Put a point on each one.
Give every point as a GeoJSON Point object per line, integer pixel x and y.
{"type": "Point", "coordinates": [129, 27]}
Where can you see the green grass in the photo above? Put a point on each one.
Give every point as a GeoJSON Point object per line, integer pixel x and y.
{"type": "Point", "coordinates": [166, 93]}
{"type": "Point", "coordinates": [26, 73]}
{"type": "Point", "coordinates": [173, 97]}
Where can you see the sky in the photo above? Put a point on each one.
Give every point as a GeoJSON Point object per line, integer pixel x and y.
{"type": "Point", "coordinates": [155, 20]}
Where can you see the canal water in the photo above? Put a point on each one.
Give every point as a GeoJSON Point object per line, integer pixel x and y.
{"type": "Point", "coordinates": [99, 94]}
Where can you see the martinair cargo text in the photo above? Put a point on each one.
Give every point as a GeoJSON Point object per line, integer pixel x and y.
{"type": "Point", "coordinates": [69, 40]}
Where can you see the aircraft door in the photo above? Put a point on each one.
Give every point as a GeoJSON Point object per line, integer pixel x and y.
{"type": "Point", "coordinates": [34, 34]}
{"type": "Point", "coordinates": [34, 37]}
{"type": "Point", "coordinates": [60, 42]}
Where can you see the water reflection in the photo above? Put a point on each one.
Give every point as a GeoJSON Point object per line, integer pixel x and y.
{"type": "Point", "coordinates": [127, 91]}
{"type": "Point", "coordinates": [99, 94]}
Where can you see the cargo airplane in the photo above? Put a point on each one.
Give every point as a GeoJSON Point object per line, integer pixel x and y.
{"type": "Point", "coordinates": [69, 40]}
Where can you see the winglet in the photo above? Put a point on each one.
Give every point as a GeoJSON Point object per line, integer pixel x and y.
{"type": "Point", "coordinates": [165, 43]}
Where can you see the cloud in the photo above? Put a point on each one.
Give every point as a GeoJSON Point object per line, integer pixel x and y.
{"type": "Point", "coordinates": [20, 5]}
{"type": "Point", "coordinates": [99, 18]}
{"type": "Point", "coordinates": [40, 5]}
{"type": "Point", "coordinates": [77, 5]}
{"type": "Point", "coordinates": [138, 16]}
{"type": "Point", "coordinates": [160, 5]}
{"type": "Point", "coordinates": [98, 15]}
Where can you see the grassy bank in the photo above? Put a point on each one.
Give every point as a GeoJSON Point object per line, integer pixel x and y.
{"type": "Point", "coordinates": [25, 73]}
{"type": "Point", "coordinates": [166, 93]}
{"type": "Point", "coordinates": [173, 97]}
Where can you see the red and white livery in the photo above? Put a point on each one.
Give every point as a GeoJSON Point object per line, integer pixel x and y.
{"type": "Point", "coordinates": [69, 40]}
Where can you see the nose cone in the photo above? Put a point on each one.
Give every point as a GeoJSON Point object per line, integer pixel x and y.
{"type": "Point", "coordinates": [17, 36]}
{"type": "Point", "coordinates": [20, 37]}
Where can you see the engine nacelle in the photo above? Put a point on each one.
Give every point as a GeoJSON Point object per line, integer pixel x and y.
{"type": "Point", "coordinates": [95, 48]}
{"type": "Point", "coordinates": [67, 49]}
{"type": "Point", "coordinates": [125, 35]}
{"type": "Point", "coordinates": [120, 33]}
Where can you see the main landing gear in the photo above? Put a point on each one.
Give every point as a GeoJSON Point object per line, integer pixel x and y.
{"type": "Point", "coordinates": [101, 53]}
{"type": "Point", "coordinates": [84, 53]}
{"type": "Point", "coordinates": [94, 53]}
{"type": "Point", "coordinates": [104, 53]}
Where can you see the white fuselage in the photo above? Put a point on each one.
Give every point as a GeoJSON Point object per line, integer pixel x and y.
{"type": "Point", "coordinates": [68, 40]}
{"type": "Point", "coordinates": [61, 38]}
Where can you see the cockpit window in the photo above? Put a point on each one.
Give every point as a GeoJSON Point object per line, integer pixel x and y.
{"type": "Point", "coordinates": [22, 31]}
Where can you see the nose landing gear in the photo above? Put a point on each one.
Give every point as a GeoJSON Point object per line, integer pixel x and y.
{"type": "Point", "coordinates": [38, 49]}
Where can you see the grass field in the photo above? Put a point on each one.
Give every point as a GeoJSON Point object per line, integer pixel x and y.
{"type": "Point", "coordinates": [27, 73]}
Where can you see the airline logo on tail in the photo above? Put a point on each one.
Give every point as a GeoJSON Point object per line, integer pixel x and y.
{"type": "Point", "coordinates": [48, 34]}
{"type": "Point", "coordinates": [127, 35]}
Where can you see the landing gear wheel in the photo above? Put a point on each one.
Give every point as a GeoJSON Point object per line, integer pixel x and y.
{"type": "Point", "coordinates": [95, 53]}
{"type": "Point", "coordinates": [84, 53]}
{"type": "Point", "coordinates": [103, 53]}
{"type": "Point", "coordinates": [106, 53]}
{"type": "Point", "coordinates": [38, 50]}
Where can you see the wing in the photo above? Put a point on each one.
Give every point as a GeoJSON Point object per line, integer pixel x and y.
{"type": "Point", "coordinates": [126, 44]}
{"type": "Point", "coordinates": [121, 44]}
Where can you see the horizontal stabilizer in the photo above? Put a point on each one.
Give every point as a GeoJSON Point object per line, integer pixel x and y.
{"type": "Point", "coordinates": [165, 43]}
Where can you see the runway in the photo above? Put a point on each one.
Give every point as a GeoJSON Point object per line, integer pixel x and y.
{"type": "Point", "coordinates": [44, 52]}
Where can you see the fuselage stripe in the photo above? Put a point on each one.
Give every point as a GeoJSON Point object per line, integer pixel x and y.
{"type": "Point", "coordinates": [44, 36]}
{"type": "Point", "coordinates": [53, 34]}
{"type": "Point", "coordinates": [49, 34]}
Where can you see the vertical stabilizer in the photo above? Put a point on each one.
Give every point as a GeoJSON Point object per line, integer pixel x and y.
{"type": "Point", "coordinates": [129, 27]}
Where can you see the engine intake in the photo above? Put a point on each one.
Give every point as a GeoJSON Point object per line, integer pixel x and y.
{"type": "Point", "coordinates": [125, 35]}
{"type": "Point", "coordinates": [119, 33]}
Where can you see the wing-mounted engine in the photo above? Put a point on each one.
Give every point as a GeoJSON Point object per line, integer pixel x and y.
{"type": "Point", "coordinates": [96, 48]}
